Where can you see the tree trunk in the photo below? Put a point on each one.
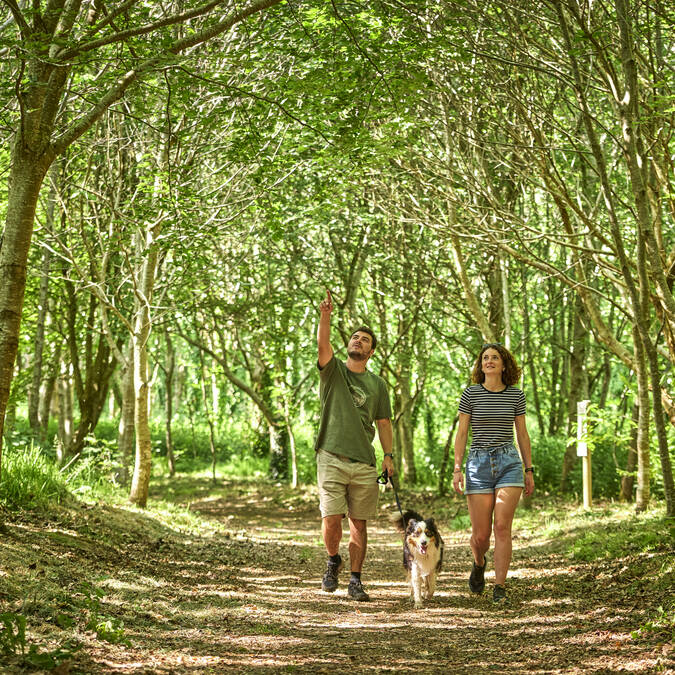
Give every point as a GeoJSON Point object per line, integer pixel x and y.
{"type": "Point", "coordinates": [446, 457]}
{"type": "Point", "coordinates": [64, 414]}
{"type": "Point", "coordinates": [292, 445]}
{"type": "Point", "coordinates": [469, 296]}
{"type": "Point", "coordinates": [278, 451]}
{"type": "Point", "coordinates": [48, 392]}
{"type": "Point", "coordinates": [606, 376]}
{"type": "Point", "coordinates": [26, 176]}
{"type": "Point", "coordinates": [147, 257]}
{"type": "Point", "coordinates": [642, 434]}
{"type": "Point", "coordinates": [567, 322]}
{"type": "Point", "coordinates": [125, 428]}
{"type": "Point", "coordinates": [506, 304]}
{"type": "Point", "coordinates": [407, 447]}
{"type": "Point", "coordinates": [294, 453]}
{"type": "Point", "coordinates": [628, 479]}
{"type": "Point", "coordinates": [560, 358]}
{"type": "Point", "coordinates": [38, 351]}
{"type": "Point", "coordinates": [661, 434]}
{"type": "Point", "coordinates": [168, 384]}
{"type": "Point", "coordinates": [143, 460]}
{"type": "Point", "coordinates": [403, 423]}
{"type": "Point", "coordinates": [529, 357]}
{"type": "Point", "coordinates": [639, 166]}
{"type": "Point", "coordinates": [578, 390]}
{"type": "Point", "coordinates": [140, 482]}
{"type": "Point", "coordinates": [208, 409]}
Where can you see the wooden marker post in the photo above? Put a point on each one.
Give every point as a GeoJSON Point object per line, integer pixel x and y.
{"type": "Point", "coordinates": [583, 452]}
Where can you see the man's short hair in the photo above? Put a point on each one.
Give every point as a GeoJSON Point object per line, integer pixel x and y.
{"type": "Point", "coordinates": [365, 329]}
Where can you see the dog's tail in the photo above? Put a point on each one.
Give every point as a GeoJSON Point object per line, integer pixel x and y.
{"type": "Point", "coordinates": [402, 523]}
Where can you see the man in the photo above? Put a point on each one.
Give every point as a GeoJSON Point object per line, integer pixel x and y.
{"type": "Point", "coordinates": [351, 400]}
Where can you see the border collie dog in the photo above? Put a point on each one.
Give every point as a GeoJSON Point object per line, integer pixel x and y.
{"type": "Point", "coordinates": [422, 555]}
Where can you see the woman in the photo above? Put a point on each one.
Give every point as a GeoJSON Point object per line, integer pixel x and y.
{"type": "Point", "coordinates": [494, 469]}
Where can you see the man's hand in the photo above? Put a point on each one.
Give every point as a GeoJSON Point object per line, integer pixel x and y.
{"type": "Point", "coordinates": [326, 305]}
{"type": "Point", "coordinates": [388, 465]}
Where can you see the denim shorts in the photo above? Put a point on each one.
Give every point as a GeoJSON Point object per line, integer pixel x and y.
{"type": "Point", "coordinates": [490, 468]}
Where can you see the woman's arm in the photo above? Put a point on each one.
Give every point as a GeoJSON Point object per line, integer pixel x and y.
{"type": "Point", "coordinates": [460, 447]}
{"type": "Point", "coordinates": [525, 451]}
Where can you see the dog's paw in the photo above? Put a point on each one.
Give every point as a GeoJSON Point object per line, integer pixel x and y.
{"type": "Point", "coordinates": [418, 604]}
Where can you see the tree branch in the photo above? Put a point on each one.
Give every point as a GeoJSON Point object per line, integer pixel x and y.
{"type": "Point", "coordinates": [18, 17]}
{"type": "Point", "coordinates": [117, 91]}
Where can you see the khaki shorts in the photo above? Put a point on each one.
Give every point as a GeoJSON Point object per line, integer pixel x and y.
{"type": "Point", "coordinates": [346, 487]}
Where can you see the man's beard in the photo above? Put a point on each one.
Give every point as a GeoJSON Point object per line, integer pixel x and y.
{"type": "Point", "coordinates": [358, 356]}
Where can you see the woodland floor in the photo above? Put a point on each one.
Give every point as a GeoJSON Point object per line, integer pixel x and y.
{"type": "Point", "coordinates": [245, 595]}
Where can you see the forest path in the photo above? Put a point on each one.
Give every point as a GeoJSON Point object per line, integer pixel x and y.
{"type": "Point", "coordinates": [560, 618]}
{"type": "Point", "coordinates": [246, 597]}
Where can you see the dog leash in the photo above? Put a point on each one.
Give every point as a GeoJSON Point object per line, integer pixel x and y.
{"type": "Point", "coordinates": [382, 479]}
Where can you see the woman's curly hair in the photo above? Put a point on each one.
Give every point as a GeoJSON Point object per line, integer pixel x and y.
{"type": "Point", "coordinates": [511, 373]}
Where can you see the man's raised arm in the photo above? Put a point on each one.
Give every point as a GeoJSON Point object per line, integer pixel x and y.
{"type": "Point", "coordinates": [323, 336]}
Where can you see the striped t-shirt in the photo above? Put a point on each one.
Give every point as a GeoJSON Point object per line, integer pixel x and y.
{"type": "Point", "coordinates": [492, 414]}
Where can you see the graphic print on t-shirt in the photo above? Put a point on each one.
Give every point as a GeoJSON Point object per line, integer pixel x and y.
{"type": "Point", "coordinates": [358, 395]}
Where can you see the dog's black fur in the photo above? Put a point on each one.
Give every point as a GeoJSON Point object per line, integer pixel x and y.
{"type": "Point", "coordinates": [422, 554]}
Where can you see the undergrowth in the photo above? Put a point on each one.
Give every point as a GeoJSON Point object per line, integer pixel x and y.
{"type": "Point", "coordinates": [31, 479]}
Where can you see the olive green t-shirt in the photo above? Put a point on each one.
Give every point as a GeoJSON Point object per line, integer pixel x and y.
{"type": "Point", "coordinates": [350, 402]}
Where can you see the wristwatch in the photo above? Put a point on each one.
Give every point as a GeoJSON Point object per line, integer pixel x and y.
{"type": "Point", "coordinates": [529, 469]}
{"type": "Point", "coordinates": [389, 454]}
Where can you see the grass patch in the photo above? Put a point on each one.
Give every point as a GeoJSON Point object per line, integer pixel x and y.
{"type": "Point", "coordinates": [630, 537]}
{"type": "Point", "coordinates": [31, 480]}
{"type": "Point", "coordinates": [232, 468]}
{"type": "Point", "coordinates": [617, 531]}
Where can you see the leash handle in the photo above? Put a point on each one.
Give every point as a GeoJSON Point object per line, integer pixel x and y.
{"type": "Point", "coordinates": [382, 479]}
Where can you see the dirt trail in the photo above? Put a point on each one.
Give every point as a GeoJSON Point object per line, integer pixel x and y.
{"type": "Point", "coordinates": [249, 600]}
{"type": "Point", "coordinates": [556, 621]}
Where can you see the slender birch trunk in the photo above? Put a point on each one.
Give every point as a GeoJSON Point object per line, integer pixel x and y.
{"type": "Point", "coordinates": [143, 458]}
{"type": "Point", "coordinates": [147, 257]}
{"type": "Point", "coordinates": [125, 428]}
{"type": "Point", "coordinates": [168, 404]}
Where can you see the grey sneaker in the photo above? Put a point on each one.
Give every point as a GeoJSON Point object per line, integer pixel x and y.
{"type": "Point", "coordinates": [477, 578]}
{"type": "Point", "coordinates": [330, 578]}
{"type": "Point", "coordinates": [356, 592]}
{"type": "Point", "coordinates": [499, 595]}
